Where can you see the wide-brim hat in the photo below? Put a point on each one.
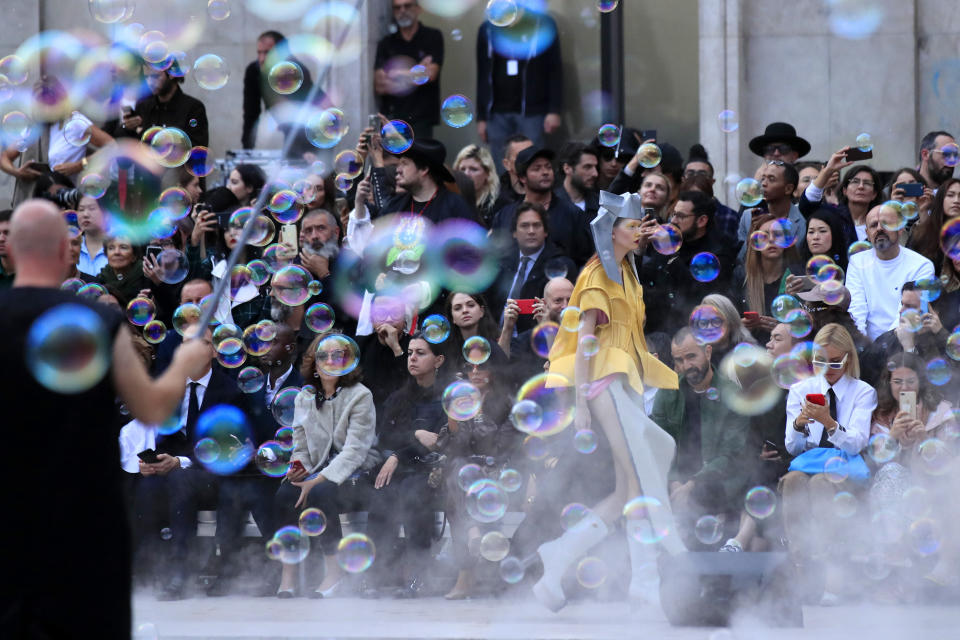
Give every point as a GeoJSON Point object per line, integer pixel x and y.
{"type": "Point", "coordinates": [780, 132]}
{"type": "Point", "coordinates": [433, 154]}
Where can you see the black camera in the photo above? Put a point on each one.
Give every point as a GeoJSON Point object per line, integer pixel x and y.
{"type": "Point", "coordinates": [65, 198]}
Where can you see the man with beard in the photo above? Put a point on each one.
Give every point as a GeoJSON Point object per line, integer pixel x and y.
{"type": "Point", "coordinates": [710, 471]}
{"type": "Point", "coordinates": [579, 164]}
{"type": "Point", "coordinates": [933, 166]}
{"type": "Point", "coordinates": [569, 228]}
{"type": "Point", "coordinates": [875, 277]}
{"type": "Point", "coordinates": [407, 76]}
{"type": "Point", "coordinates": [669, 287]}
{"type": "Point", "coordinates": [167, 106]}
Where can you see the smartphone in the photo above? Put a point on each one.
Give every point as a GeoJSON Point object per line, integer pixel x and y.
{"type": "Point", "coordinates": [817, 398]}
{"type": "Point", "coordinates": [373, 122]}
{"type": "Point", "coordinates": [648, 134]}
{"type": "Point", "coordinates": [751, 315]}
{"type": "Point", "coordinates": [127, 110]}
{"type": "Point", "coordinates": [908, 403]}
{"type": "Point", "coordinates": [912, 189]}
{"type": "Point", "coordinates": [149, 456]}
{"type": "Point", "coordinates": [42, 167]}
{"type": "Point", "coordinates": [288, 235]}
{"type": "Point", "coordinates": [154, 250]}
{"type": "Point", "coordinates": [770, 445]}
{"type": "Point", "coordinates": [296, 465]}
{"type": "Point", "coordinates": [854, 154]}
{"type": "Point", "coordinates": [526, 306]}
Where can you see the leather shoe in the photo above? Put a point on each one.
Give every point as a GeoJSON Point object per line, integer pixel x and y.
{"type": "Point", "coordinates": [173, 590]}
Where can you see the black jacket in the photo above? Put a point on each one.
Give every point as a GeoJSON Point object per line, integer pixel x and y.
{"type": "Point", "coordinates": [182, 111]}
{"type": "Point", "coordinates": [257, 89]}
{"type": "Point", "coordinates": [542, 74]}
{"type": "Point", "coordinates": [533, 285]}
{"type": "Point", "coordinates": [446, 204]}
{"type": "Point", "coordinates": [569, 228]}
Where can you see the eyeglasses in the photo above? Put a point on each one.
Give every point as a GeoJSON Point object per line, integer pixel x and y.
{"type": "Point", "coordinates": [681, 216]}
{"type": "Point", "coordinates": [770, 149]}
{"type": "Point", "coordinates": [689, 173]}
{"type": "Point", "coordinates": [711, 323]}
{"type": "Point", "coordinates": [332, 356]}
{"type": "Point", "coordinates": [862, 183]}
{"type": "Point", "coordinates": [776, 163]}
{"type": "Point", "coordinates": [836, 366]}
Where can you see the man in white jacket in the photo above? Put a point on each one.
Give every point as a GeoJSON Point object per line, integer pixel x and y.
{"type": "Point", "coordinates": [875, 277]}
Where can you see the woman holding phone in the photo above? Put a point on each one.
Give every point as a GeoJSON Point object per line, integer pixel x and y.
{"type": "Point", "coordinates": [925, 236]}
{"type": "Point", "coordinates": [831, 410]}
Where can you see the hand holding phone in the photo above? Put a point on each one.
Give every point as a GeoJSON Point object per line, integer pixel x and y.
{"type": "Point", "coordinates": [854, 154]}
{"type": "Point", "coordinates": [526, 306]}
{"type": "Point", "coordinates": [149, 456]}
{"type": "Point", "coordinates": [817, 398]}
{"type": "Point", "coordinates": [908, 403]}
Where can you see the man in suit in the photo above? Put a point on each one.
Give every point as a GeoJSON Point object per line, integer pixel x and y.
{"type": "Point", "coordinates": [524, 271]}
{"type": "Point", "coordinates": [187, 485]}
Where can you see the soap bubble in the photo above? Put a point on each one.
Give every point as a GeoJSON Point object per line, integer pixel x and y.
{"type": "Point", "coordinates": [782, 305]}
{"type": "Point", "coordinates": [801, 324]}
{"type": "Point", "coordinates": [844, 504]}
{"type": "Point", "coordinates": [94, 185]}
{"type": "Point", "coordinates": [154, 332]}
{"type": "Point", "coordinates": [571, 319]}
{"type": "Point", "coordinates": [456, 35]}
{"type": "Point", "coordinates": [313, 521]}
{"type": "Point", "coordinates": [457, 111]}
{"type": "Point", "coordinates": [228, 427]}
{"type": "Point", "coordinates": [883, 448]}
{"type": "Point", "coordinates": [759, 240]}
{"type": "Point", "coordinates": [349, 163]}
{"type": "Point", "coordinates": [468, 474]}
{"type": "Point", "coordinates": [77, 131]}
{"type": "Point", "coordinates": [111, 11]}
{"type": "Point", "coordinates": [510, 480]}
{"type": "Point", "coordinates": [218, 9]}
{"type": "Point", "coordinates": [319, 318]}
{"type": "Point", "coordinates": [836, 469]}
{"type": "Point", "coordinates": [173, 266]}
{"type": "Point", "coordinates": [704, 267]}
{"type": "Point", "coordinates": [337, 355]}
{"type": "Point", "coordinates": [591, 572]}
{"type": "Point", "coordinates": [929, 288]}
{"type": "Point", "coordinates": [854, 19]}
{"type": "Point", "coordinates": [141, 311]}
{"type": "Point", "coordinates": [476, 350]}
{"type": "Point", "coordinates": [606, 6]}
{"type": "Point", "coordinates": [585, 441]}
{"type": "Point", "coordinates": [285, 77]}
{"type": "Point", "coordinates": [211, 72]}
{"type": "Point", "coordinates": [68, 349]}
{"type": "Point", "coordinates": [708, 530]}
{"type": "Point", "coordinates": [542, 337]}
{"type": "Point", "coordinates": [461, 401]}
{"type": "Point", "coordinates": [833, 291]}
{"type": "Point", "coordinates": [419, 74]}
{"type": "Point", "coordinates": [91, 291]}
{"type": "Point", "coordinates": [934, 456]}
{"type": "Point", "coordinates": [783, 233]}
{"type": "Point", "coordinates": [200, 164]}
{"type": "Point", "coordinates": [526, 416]}
{"type": "Point", "coordinates": [707, 324]}
{"type": "Point", "coordinates": [175, 203]}
{"type": "Point", "coordinates": [535, 448]}
{"type": "Point", "coordinates": [494, 546]}
{"type": "Point", "coordinates": [172, 147]}
{"type": "Point", "coordinates": [231, 360]}
{"type": "Point", "coordinates": [953, 346]}
{"type": "Point", "coordinates": [589, 345]}
{"type": "Point", "coordinates": [950, 238]}
{"type": "Point", "coordinates": [486, 501]}
{"type": "Point", "coordinates": [253, 343]}
{"type": "Point", "coordinates": [284, 406]}
{"type": "Point", "coordinates": [288, 545]}
{"type": "Point", "coordinates": [502, 13]}
{"type": "Point", "coordinates": [555, 397]}
{"type": "Point", "coordinates": [643, 515]}
{"type": "Point", "coordinates": [396, 137]}
{"type": "Point", "coordinates": [291, 285]}
{"type": "Point", "coordinates": [760, 502]}
{"type": "Point", "coordinates": [284, 435]}
{"type": "Point", "coordinates": [891, 216]}
{"type": "Point", "coordinates": [746, 384]}
{"type": "Point", "coordinates": [858, 247]}
{"type": "Point", "coordinates": [555, 268]}
{"type": "Point", "coordinates": [749, 192]}
{"type": "Point", "coordinates": [436, 329]}
{"type": "Point", "coordinates": [325, 129]}
{"type": "Point", "coordinates": [727, 120]}
{"type": "Point", "coordinates": [951, 154]}
{"type": "Point", "coordinates": [649, 155]}
{"type": "Point", "coordinates": [251, 379]}
{"type": "Point", "coordinates": [924, 537]}
{"type": "Point", "coordinates": [666, 240]}
{"type": "Point", "coordinates": [206, 450]}
{"type": "Point", "coordinates": [272, 459]}
{"type": "Point", "coordinates": [609, 135]}
{"type": "Point", "coordinates": [865, 142]}
{"type": "Point", "coordinates": [938, 372]}
{"type": "Point", "coordinates": [511, 570]}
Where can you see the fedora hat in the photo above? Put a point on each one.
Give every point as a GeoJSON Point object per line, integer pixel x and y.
{"type": "Point", "coordinates": [780, 132]}
{"type": "Point", "coordinates": [433, 154]}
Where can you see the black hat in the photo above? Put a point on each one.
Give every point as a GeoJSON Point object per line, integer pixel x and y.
{"type": "Point", "coordinates": [671, 160]}
{"type": "Point", "coordinates": [433, 154]}
{"type": "Point", "coordinates": [780, 132]}
{"type": "Point", "coordinates": [526, 157]}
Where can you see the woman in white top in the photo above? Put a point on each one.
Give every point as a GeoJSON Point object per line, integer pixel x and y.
{"type": "Point", "coordinates": [334, 429]}
{"type": "Point", "coordinates": [843, 423]}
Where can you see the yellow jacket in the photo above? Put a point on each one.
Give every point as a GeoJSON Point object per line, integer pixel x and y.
{"type": "Point", "coordinates": [623, 348]}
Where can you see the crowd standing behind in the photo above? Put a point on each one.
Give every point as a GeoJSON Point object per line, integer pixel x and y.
{"type": "Point", "coordinates": [843, 278]}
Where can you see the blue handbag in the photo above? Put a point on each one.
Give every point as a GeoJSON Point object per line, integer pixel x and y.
{"type": "Point", "coordinates": [833, 461]}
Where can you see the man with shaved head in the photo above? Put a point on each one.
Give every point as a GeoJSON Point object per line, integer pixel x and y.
{"type": "Point", "coordinates": [66, 392]}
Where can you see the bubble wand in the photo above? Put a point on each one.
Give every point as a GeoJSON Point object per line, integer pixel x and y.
{"type": "Point", "coordinates": [207, 311]}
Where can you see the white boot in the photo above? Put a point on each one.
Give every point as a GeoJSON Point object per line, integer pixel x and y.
{"type": "Point", "coordinates": [644, 575]}
{"type": "Point", "coordinates": [557, 556]}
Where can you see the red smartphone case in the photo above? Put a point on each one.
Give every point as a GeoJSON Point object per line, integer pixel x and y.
{"type": "Point", "coordinates": [817, 398]}
{"type": "Point", "coordinates": [526, 306]}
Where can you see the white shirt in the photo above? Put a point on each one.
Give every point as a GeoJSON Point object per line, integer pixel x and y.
{"type": "Point", "coordinates": [856, 401]}
{"type": "Point", "coordinates": [60, 151]}
{"type": "Point", "coordinates": [271, 390]}
{"type": "Point", "coordinates": [224, 311]}
{"type": "Point", "coordinates": [134, 438]}
{"type": "Point", "coordinates": [875, 284]}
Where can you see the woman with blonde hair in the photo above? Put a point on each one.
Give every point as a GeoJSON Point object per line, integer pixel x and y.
{"type": "Point", "coordinates": [477, 163]}
{"type": "Point", "coordinates": [733, 330]}
{"type": "Point", "coordinates": [829, 413]}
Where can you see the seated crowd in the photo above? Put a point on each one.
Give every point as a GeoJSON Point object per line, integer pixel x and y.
{"type": "Point", "coordinates": [839, 278]}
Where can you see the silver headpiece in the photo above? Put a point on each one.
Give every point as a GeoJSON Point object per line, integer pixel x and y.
{"type": "Point", "coordinates": [612, 207]}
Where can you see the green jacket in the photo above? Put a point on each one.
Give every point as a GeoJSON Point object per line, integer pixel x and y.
{"type": "Point", "coordinates": [723, 439]}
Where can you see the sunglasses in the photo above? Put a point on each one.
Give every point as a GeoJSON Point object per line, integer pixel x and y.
{"type": "Point", "coordinates": [836, 366]}
{"type": "Point", "coordinates": [772, 148]}
{"type": "Point", "coordinates": [332, 356]}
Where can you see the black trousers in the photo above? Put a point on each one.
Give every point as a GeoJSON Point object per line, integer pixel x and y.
{"type": "Point", "coordinates": [410, 502]}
